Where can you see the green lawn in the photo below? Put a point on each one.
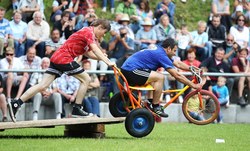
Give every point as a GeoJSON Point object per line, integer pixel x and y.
{"type": "Point", "coordinates": [165, 136]}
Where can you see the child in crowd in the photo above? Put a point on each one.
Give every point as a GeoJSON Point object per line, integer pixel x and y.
{"type": "Point", "coordinates": [183, 38]}
{"type": "Point", "coordinates": [220, 90]}
{"type": "Point", "coordinates": [193, 107]}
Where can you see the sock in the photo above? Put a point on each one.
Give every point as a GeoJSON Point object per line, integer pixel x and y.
{"type": "Point", "coordinates": [150, 100]}
{"type": "Point", "coordinates": [155, 105]}
{"type": "Point", "coordinates": [19, 102]}
{"type": "Point", "coordinates": [77, 105]}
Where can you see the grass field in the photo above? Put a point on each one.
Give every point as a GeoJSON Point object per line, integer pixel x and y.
{"type": "Point", "coordinates": [165, 136]}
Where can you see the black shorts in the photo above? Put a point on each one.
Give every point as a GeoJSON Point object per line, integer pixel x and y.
{"type": "Point", "coordinates": [69, 69]}
{"type": "Point", "coordinates": [136, 77]}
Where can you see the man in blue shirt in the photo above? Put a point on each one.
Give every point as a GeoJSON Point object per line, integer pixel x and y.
{"type": "Point", "coordinates": [140, 69]}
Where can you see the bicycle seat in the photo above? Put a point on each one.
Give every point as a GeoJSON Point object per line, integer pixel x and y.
{"type": "Point", "coordinates": [142, 87]}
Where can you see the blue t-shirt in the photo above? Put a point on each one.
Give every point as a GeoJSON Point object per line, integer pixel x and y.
{"type": "Point", "coordinates": [220, 92]}
{"type": "Point", "coordinates": [151, 59]}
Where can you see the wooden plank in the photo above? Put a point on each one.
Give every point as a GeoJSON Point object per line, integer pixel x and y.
{"type": "Point", "coordinates": [58, 122]}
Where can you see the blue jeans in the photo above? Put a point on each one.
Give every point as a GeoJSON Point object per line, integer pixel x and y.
{"type": "Point", "coordinates": [19, 49]}
{"type": "Point", "coordinates": [222, 103]}
{"type": "Point", "coordinates": [91, 105]}
{"type": "Point", "coordinates": [196, 116]}
{"type": "Point", "coordinates": [112, 3]}
{"type": "Point", "coordinates": [40, 48]}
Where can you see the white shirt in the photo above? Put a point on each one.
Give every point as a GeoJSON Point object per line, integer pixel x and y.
{"type": "Point", "coordinates": [17, 64]}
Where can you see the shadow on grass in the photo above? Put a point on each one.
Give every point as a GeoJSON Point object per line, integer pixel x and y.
{"type": "Point", "coordinates": [57, 137]}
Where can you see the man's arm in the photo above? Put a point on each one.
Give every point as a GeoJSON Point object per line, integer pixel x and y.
{"type": "Point", "coordinates": [100, 55]}
{"type": "Point", "coordinates": [181, 78]}
{"type": "Point", "coordinates": [180, 65]}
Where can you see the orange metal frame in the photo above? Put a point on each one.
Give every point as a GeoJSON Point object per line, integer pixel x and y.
{"type": "Point", "coordinates": [136, 103]}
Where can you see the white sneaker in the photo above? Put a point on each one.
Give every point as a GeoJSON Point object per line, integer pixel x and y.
{"type": "Point", "coordinates": [58, 116]}
{"type": "Point", "coordinates": [180, 98]}
{"type": "Point", "coordinates": [168, 98]}
{"type": "Point", "coordinates": [184, 1]}
{"type": "Point", "coordinates": [104, 9]}
{"type": "Point", "coordinates": [35, 116]}
{"type": "Point", "coordinates": [112, 10]}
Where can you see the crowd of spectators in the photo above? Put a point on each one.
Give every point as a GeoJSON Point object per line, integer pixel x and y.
{"type": "Point", "coordinates": [27, 41]}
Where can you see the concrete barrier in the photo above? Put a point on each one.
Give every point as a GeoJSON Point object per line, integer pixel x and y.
{"type": "Point", "coordinates": [232, 114]}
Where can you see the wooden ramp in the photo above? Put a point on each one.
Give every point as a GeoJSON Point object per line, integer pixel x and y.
{"type": "Point", "coordinates": [74, 127]}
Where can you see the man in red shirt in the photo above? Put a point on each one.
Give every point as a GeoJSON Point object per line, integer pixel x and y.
{"type": "Point", "coordinates": [84, 42]}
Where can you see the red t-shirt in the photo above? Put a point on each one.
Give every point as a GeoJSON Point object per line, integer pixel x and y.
{"type": "Point", "coordinates": [77, 44]}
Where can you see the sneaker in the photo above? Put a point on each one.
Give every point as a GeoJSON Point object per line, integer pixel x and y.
{"type": "Point", "coordinates": [159, 111]}
{"type": "Point", "coordinates": [242, 102]}
{"type": "Point", "coordinates": [4, 119]}
{"type": "Point", "coordinates": [79, 112]}
{"type": "Point", "coordinates": [104, 9]}
{"type": "Point", "coordinates": [35, 116]}
{"type": "Point", "coordinates": [13, 108]}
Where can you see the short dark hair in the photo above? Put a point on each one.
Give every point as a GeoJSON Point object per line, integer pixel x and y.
{"type": "Point", "coordinates": [169, 42]}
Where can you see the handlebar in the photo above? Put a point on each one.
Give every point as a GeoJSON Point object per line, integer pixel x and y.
{"type": "Point", "coordinates": [197, 72]}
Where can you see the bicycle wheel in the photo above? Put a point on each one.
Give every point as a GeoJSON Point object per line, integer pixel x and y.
{"type": "Point", "coordinates": [117, 106]}
{"type": "Point", "coordinates": [201, 112]}
{"type": "Point", "coordinates": [139, 122]}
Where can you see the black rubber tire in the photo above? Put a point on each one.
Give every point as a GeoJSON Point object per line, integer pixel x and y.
{"type": "Point", "coordinates": [209, 112]}
{"type": "Point", "coordinates": [139, 122]}
{"type": "Point", "coordinates": [116, 105]}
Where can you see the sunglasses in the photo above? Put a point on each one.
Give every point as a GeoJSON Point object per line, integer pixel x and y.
{"type": "Point", "coordinates": [241, 20]}
{"type": "Point", "coordinates": [230, 40]}
{"type": "Point", "coordinates": [9, 54]}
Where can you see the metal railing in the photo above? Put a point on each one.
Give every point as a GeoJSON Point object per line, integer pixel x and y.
{"type": "Point", "coordinates": [165, 73]}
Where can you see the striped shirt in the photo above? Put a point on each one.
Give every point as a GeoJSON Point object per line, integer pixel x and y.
{"type": "Point", "coordinates": [5, 28]}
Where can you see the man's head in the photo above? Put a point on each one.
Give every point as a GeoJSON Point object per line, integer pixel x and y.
{"type": "Point", "coordinates": [164, 20]}
{"type": "Point", "coordinates": [219, 54]}
{"type": "Point", "coordinates": [101, 27]}
{"type": "Point", "coordinates": [17, 16]}
{"type": "Point", "coordinates": [123, 32]}
{"type": "Point", "coordinates": [9, 53]}
{"type": "Point", "coordinates": [230, 40]}
{"type": "Point", "coordinates": [45, 63]}
{"type": "Point", "coordinates": [55, 35]}
{"type": "Point", "coordinates": [31, 53]}
{"type": "Point", "coordinates": [170, 47]}
{"type": "Point", "coordinates": [216, 20]}
{"type": "Point", "coordinates": [37, 17]}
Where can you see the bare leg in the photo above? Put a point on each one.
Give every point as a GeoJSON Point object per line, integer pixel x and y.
{"type": "Point", "coordinates": [22, 85]}
{"type": "Point", "coordinates": [241, 86]}
{"type": "Point", "coordinates": [9, 84]}
{"type": "Point", "coordinates": [157, 79]}
{"type": "Point", "coordinates": [84, 79]}
{"type": "Point", "coordinates": [46, 81]}
{"type": "Point", "coordinates": [3, 105]}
